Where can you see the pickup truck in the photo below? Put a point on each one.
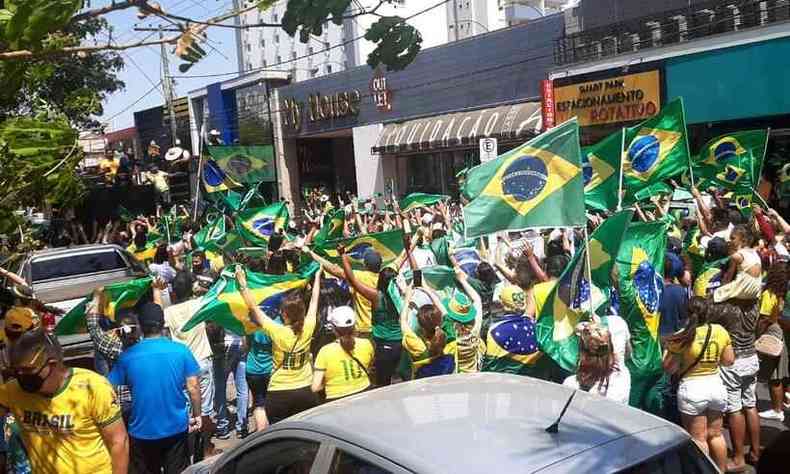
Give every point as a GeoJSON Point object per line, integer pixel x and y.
{"type": "Point", "coordinates": [62, 277]}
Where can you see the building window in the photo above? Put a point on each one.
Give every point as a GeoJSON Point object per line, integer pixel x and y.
{"type": "Point", "coordinates": [263, 42]}
{"type": "Point", "coordinates": [329, 69]}
{"type": "Point", "coordinates": [279, 59]}
{"type": "Point", "coordinates": [248, 47]}
{"type": "Point", "coordinates": [264, 63]}
{"type": "Point", "coordinates": [326, 44]}
{"type": "Point", "coordinates": [249, 66]}
{"type": "Point", "coordinates": [275, 17]}
{"type": "Point", "coordinates": [277, 38]}
{"type": "Point", "coordinates": [293, 54]}
{"type": "Point", "coordinates": [309, 50]}
{"type": "Point", "coordinates": [313, 72]}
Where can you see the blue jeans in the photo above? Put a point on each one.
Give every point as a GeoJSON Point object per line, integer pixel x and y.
{"type": "Point", "coordinates": [235, 364]}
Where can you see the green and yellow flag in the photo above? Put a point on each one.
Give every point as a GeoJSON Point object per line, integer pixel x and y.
{"type": "Point", "coordinates": [388, 244]}
{"type": "Point", "coordinates": [416, 200]}
{"type": "Point", "coordinates": [121, 295]}
{"type": "Point", "coordinates": [601, 171]}
{"type": "Point", "coordinates": [640, 263]}
{"type": "Point", "coordinates": [223, 304]}
{"type": "Point", "coordinates": [571, 299]}
{"type": "Point", "coordinates": [215, 180]}
{"type": "Point", "coordinates": [244, 164]}
{"type": "Point", "coordinates": [656, 149]}
{"type": "Point", "coordinates": [257, 225]}
{"type": "Point", "coordinates": [538, 184]}
{"type": "Point", "coordinates": [332, 227]}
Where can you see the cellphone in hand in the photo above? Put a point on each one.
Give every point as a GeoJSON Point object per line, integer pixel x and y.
{"type": "Point", "coordinates": [417, 280]}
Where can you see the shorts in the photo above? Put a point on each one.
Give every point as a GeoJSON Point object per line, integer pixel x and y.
{"type": "Point", "coordinates": [206, 381]}
{"type": "Point", "coordinates": [698, 395]}
{"type": "Point", "coordinates": [280, 404]}
{"type": "Point", "coordinates": [259, 385]}
{"type": "Point", "coordinates": [740, 381]}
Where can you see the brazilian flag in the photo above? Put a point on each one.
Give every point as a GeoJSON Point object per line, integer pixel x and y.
{"type": "Point", "coordinates": [388, 244]}
{"type": "Point", "coordinates": [573, 296]}
{"type": "Point", "coordinates": [215, 180]}
{"type": "Point", "coordinates": [245, 164]}
{"type": "Point", "coordinates": [538, 184]}
{"type": "Point", "coordinates": [417, 200]}
{"type": "Point", "coordinates": [656, 149]}
{"type": "Point", "coordinates": [224, 305]}
{"type": "Point", "coordinates": [640, 263]}
{"type": "Point", "coordinates": [122, 295]}
{"type": "Point", "coordinates": [601, 172]}
{"type": "Point", "coordinates": [692, 246]}
{"type": "Point", "coordinates": [257, 225]}
{"type": "Point", "coordinates": [710, 277]}
{"type": "Point", "coordinates": [732, 158]}
{"type": "Point", "coordinates": [332, 227]}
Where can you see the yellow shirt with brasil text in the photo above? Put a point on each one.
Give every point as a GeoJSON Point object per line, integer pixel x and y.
{"type": "Point", "coordinates": [62, 433]}
{"type": "Point", "coordinates": [344, 375]}
{"type": "Point", "coordinates": [291, 355]}
{"type": "Point", "coordinates": [709, 363]}
{"type": "Point", "coordinates": [362, 306]}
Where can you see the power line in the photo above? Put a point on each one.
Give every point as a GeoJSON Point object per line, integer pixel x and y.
{"type": "Point", "coordinates": [133, 103]}
{"type": "Point", "coordinates": [298, 58]}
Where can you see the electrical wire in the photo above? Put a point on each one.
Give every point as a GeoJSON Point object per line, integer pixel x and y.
{"type": "Point", "coordinates": [110, 119]}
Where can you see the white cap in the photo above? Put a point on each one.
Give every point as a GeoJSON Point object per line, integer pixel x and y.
{"type": "Point", "coordinates": [214, 132]}
{"type": "Point", "coordinates": [427, 219]}
{"type": "Point", "coordinates": [342, 317]}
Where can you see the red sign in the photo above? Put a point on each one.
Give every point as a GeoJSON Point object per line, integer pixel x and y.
{"type": "Point", "coordinates": [547, 107]}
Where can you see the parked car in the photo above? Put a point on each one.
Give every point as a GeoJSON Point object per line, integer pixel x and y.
{"type": "Point", "coordinates": [472, 423]}
{"type": "Point", "coordinates": [62, 277]}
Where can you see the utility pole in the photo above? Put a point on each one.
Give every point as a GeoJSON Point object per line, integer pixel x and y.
{"type": "Point", "coordinates": [167, 84]}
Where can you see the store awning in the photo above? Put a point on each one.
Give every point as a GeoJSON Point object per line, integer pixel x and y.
{"type": "Point", "coordinates": [505, 123]}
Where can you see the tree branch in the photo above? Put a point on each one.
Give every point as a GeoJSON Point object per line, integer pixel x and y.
{"type": "Point", "coordinates": [26, 53]}
{"type": "Point", "coordinates": [107, 9]}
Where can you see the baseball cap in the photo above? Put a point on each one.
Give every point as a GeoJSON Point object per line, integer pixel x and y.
{"type": "Point", "coordinates": [513, 298]}
{"type": "Point", "coordinates": [427, 219]}
{"type": "Point", "coordinates": [151, 315]}
{"type": "Point", "coordinates": [19, 319]}
{"type": "Point", "coordinates": [342, 317]}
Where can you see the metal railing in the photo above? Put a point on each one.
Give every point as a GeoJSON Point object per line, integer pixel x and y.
{"type": "Point", "coordinates": [669, 27]}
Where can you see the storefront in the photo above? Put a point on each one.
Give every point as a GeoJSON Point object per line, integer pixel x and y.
{"type": "Point", "coordinates": [370, 132]}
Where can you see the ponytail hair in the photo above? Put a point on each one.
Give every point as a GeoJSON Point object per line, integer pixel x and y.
{"type": "Point", "coordinates": [345, 336]}
{"type": "Point", "coordinates": [430, 320]}
{"type": "Point", "coordinates": [698, 315]}
{"type": "Point", "coordinates": [293, 309]}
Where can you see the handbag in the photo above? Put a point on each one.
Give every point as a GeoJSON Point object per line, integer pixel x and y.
{"type": "Point", "coordinates": [671, 411]}
{"type": "Point", "coordinates": [771, 342]}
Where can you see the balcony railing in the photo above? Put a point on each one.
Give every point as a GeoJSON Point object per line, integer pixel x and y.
{"type": "Point", "coordinates": [670, 27]}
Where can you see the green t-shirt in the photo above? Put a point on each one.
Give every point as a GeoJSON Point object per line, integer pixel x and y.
{"type": "Point", "coordinates": [386, 326]}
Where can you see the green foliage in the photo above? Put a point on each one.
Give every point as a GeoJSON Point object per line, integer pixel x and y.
{"type": "Point", "coordinates": [33, 20]}
{"type": "Point", "coordinates": [398, 43]}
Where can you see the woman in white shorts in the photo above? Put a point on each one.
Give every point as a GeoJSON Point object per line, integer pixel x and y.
{"type": "Point", "coordinates": [694, 355]}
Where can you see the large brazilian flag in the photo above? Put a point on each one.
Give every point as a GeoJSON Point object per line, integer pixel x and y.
{"type": "Point", "coordinates": [259, 224]}
{"type": "Point", "coordinates": [388, 244]}
{"type": "Point", "coordinates": [656, 149]}
{"type": "Point", "coordinates": [244, 164]}
{"type": "Point", "coordinates": [215, 179]}
{"type": "Point", "coordinates": [224, 305]}
{"type": "Point", "coordinates": [538, 184]}
{"type": "Point", "coordinates": [573, 297]}
{"type": "Point", "coordinates": [601, 171]}
{"type": "Point", "coordinates": [640, 263]}
{"type": "Point", "coordinates": [416, 200]}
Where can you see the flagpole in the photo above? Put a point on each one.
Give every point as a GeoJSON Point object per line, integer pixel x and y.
{"type": "Point", "coordinates": [688, 147]}
{"type": "Point", "coordinates": [588, 264]}
{"type": "Point", "coordinates": [199, 180]}
{"type": "Point", "coordinates": [620, 187]}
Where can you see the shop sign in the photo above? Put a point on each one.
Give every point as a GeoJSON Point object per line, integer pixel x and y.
{"type": "Point", "coordinates": [547, 105]}
{"type": "Point", "coordinates": [488, 149]}
{"type": "Point", "coordinates": [321, 107]}
{"type": "Point", "coordinates": [382, 96]}
{"type": "Point", "coordinates": [615, 99]}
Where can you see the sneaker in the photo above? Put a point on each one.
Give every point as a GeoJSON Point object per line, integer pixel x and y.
{"type": "Point", "coordinates": [222, 435]}
{"type": "Point", "coordinates": [242, 434]}
{"type": "Point", "coordinates": [772, 415]}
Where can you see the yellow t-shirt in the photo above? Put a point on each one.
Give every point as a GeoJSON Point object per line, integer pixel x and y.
{"type": "Point", "coordinates": [343, 375]}
{"type": "Point", "coordinates": [541, 293]}
{"type": "Point", "coordinates": [417, 348]}
{"type": "Point", "coordinates": [770, 305]}
{"type": "Point", "coordinates": [363, 306]}
{"type": "Point", "coordinates": [291, 355]}
{"type": "Point", "coordinates": [63, 433]}
{"type": "Point", "coordinates": [709, 364]}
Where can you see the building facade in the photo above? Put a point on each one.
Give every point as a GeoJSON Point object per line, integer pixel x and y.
{"type": "Point", "coordinates": [371, 132]}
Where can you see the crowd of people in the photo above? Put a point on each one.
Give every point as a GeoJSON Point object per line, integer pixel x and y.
{"type": "Point", "coordinates": [159, 397]}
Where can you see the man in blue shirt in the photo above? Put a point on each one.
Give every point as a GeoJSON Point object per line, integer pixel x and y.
{"type": "Point", "coordinates": [157, 370]}
{"type": "Point", "coordinates": [673, 305]}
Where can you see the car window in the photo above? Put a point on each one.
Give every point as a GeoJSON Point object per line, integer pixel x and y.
{"type": "Point", "coordinates": [74, 265]}
{"type": "Point", "coordinates": [345, 463]}
{"type": "Point", "coordinates": [685, 459]}
{"type": "Point", "coordinates": [282, 456]}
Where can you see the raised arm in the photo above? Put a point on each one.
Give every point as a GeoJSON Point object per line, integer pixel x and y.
{"type": "Point", "coordinates": [261, 318]}
{"type": "Point", "coordinates": [534, 264]}
{"type": "Point", "coordinates": [406, 310]}
{"type": "Point", "coordinates": [501, 266]}
{"type": "Point", "coordinates": [463, 279]}
{"type": "Point", "coordinates": [434, 298]}
{"type": "Point", "coordinates": [312, 310]}
{"type": "Point", "coordinates": [329, 267]}
{"type": "Point", "coordinates": [13, 277]}
{"type": "Point", "coordinates": [368, 292]}
{"type": "Point", "coordinates": [706, 218]}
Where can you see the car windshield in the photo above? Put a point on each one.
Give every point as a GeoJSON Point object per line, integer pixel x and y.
{"type": "Point", "coordinates": [49, 268]}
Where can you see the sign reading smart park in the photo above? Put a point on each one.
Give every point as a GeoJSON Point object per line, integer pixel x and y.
{"type": "Point", "coordinates": [615, 99]}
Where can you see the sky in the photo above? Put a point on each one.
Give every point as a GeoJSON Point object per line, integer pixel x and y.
{"type": "Point", "coordinates": [143, 65]}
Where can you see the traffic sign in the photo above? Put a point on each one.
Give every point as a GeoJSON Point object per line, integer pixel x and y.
{"type": "Point", "coordinates": [488, 149]}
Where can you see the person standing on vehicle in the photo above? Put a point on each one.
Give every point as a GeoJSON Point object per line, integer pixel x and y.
{"type": "Point", "coordinates": [157, 371]}
{"type": "Point", "coordinates": [289, 388]}
{"type": "Point", "coordinates": [342, 367]}
{"type": "Point", "coordinates": [70, 418]}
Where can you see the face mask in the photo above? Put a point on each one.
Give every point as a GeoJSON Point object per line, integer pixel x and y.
{"type": "Point", "coordinates": [31, 383]}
